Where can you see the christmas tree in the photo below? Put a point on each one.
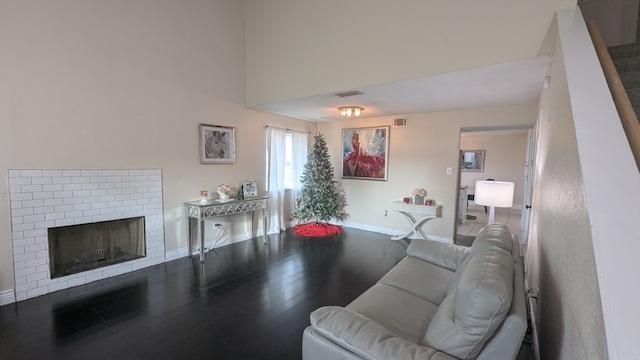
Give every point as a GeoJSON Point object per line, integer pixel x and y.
{"type": "Point", "coordinates": [319, 198]}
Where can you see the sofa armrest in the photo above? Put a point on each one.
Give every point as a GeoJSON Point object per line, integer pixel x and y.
{"type": "Point", "coordinates": [442, 254]}
{"type": "Point", "coordinates": [367, 338]}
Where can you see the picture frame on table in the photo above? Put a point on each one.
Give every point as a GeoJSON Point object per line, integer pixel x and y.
{"type": "Point", "coordinates": [365, 153]}
{"type": "Point", "coordinates": [249, 189]}
{"type": "Point", "coordinates": [217, 144]}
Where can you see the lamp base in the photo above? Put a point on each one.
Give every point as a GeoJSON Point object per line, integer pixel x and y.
{"type": "Point", "coordinates": [492, 215]}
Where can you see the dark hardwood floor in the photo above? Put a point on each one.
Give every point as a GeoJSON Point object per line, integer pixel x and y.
{"type": "Point", "coordinates": [248, 301]}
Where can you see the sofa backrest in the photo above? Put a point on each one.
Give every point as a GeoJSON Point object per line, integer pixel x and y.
{"type": "Point", "coordinates": [497, 235]}
{"type": "Point", "coordinates": [477, 305]}
{"type": "Point", "coordinates": [493, 235]}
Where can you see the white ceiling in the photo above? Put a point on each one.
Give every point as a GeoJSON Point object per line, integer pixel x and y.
{"type": "Point", "coordinates": [516, 82]}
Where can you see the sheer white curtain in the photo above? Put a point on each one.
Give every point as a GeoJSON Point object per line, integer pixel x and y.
{"type": "Point", "coordinates": [300, 150]}
{"type": "Point", "coordinates": [275, 147]}
{"type": "Point", "coordinates": [275, 175]}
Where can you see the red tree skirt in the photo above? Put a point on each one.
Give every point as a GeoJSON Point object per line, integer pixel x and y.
{"type": "Point", "coordinates": [314, 229]}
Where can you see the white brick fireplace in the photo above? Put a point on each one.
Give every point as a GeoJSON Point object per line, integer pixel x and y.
{"type": "Point", "coordinates": [42, 199]}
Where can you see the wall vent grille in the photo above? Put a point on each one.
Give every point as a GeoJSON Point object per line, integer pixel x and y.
{"type": "Point", "coordinates": [401, 122]}
{"type": "Point", "coordinates": [348, 93]}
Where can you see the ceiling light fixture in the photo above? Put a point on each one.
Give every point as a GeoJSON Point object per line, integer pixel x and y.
{"type": "Point", "coordinates": [350, 110]}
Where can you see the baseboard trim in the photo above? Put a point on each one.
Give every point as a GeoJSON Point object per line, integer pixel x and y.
{"type": "Point", "coordinates": [176, 254]}
{"type": "Point", "coordinates": [7, 297]}
{"type": "Point", "coordinates": [367, 227]}
{"type": "Point", "coordinates": [182, 252]}
{"type": "Point", "coordinates": [227, 240]}
{"type": "Point", "coordinates": [392, 232]}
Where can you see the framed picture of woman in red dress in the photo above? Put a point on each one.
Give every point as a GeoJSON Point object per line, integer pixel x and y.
{"type": "Point", "coordinates": [365, 153]}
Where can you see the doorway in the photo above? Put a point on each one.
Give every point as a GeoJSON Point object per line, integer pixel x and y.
{"type": "Point", "coordinates": [505, 151]}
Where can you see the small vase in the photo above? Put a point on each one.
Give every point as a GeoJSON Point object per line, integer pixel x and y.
{"type": "Point", "coordinates": [224, 196]}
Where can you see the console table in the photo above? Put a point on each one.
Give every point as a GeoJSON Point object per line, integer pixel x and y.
{"type": "Point", "coordinates": [417, 215]}
{"type": "Point", "coordinates": [195, 211]}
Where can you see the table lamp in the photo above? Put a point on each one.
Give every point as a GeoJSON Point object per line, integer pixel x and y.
{"type": "Point", "coordinates": [494, 194]}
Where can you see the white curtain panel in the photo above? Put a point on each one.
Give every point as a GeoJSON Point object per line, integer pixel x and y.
{"type": "Point", "coordinates": [300, 147]}
{"type": "Point", "coordinates": [275, 186]}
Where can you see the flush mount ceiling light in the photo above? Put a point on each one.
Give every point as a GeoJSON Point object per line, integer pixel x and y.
{"type": "Point", "coordinates": [350, 110]}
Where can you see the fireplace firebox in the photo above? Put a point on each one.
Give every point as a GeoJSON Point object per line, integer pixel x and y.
{"type": "Point", "coordinates": [77, 248]}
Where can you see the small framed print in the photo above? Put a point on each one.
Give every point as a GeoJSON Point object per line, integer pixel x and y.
{"type": "Point", "coordinates": [217, 144]}
{"type": "Point", "coordinates": [472, 160]}
{"type": "Point", "coordinates": [249, 189]}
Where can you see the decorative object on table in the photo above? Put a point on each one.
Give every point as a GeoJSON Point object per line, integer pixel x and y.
{"type": "Point", "coordinates": [319, 199]}
{"type": "Point", "coordinates": [472, 160]}
{"type": "Point", "coordinates": [249, 189]}
{"type": "Point", "coordinates": [430, 202]}
{"type": "Point", "coordinates": [406, 200]}
{"type": "Point", "coordinates": [494, 194]}
{"type": "Point", "coordinates": [204, 196]}
{"type": "Point", "coordinates": [365, 153]}
{"type": "Point", "coordinates": [419, 195]}
{"type": "Point", "coordinates": [417, 199]}
{"type": "Point", "coordinates": [217, 144]}
{"type": "Point", "coordinates": [225, 192]}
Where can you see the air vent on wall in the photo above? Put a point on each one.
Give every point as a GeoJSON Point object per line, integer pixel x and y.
{"type": "Point", "coordinates": [402, 122]}
{"type": "Point", "coordinates": [349, 93]}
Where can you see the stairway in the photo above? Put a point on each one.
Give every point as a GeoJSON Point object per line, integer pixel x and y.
{"type": "Point", "coordinates": [626, 58]}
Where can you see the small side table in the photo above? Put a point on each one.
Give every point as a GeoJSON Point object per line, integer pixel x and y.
{"type": "Point", "coordinates": [417, 216]}
{"type": "Point", "coordinates": [197, 211]}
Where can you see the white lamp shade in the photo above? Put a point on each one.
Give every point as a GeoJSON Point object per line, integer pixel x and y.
{"type": "Point", "coordinates": [494, 193]}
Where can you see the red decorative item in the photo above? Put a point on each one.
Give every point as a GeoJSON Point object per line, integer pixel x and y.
{"type": "Point", "coordinates": [315, 229]}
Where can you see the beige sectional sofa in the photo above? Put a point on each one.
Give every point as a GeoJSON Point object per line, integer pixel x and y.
{"type": "Point", "coordinates": [441, 301]}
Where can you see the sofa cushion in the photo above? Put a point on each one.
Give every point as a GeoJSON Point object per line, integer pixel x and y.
{"type": "Point", "coordinates": [420, 278]}
{"type": "Point", "coordinates": [470, 315]}
{"type": "Point", "coordinates": [404, 314]}
{"type": "Point", "coordinates": [365, 338]}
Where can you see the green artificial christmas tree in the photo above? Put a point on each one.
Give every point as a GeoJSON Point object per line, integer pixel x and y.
{"type": "Point", "coordinates": [319, 199]}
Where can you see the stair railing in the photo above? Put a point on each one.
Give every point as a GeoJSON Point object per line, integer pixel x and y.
{"type": "Point", "coordinates": [628, 117]}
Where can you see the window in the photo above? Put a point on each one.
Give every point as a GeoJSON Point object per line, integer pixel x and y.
{"type": "Point", "coordinates": [286, 153]}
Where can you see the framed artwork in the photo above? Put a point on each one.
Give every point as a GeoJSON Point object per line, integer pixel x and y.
{"type": "Point", "coordinates": [472, 160]}
{"type": "Point", "coordinates": [249, 189]}
{"type": "Point", "coordinates": [217, 144]}
{"type": "Point", "coordinates": [365, 153]}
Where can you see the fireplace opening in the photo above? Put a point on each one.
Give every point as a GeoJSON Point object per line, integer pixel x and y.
{"type": "Point", "coordinates": [77, 248]}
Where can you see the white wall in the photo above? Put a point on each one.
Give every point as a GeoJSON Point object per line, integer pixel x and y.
{"type": "Point", "coordinates": [505, 156]}
{"type": "Point", "coordinates": [561, 261]}
{"type": "Point", "coordinates": [584, 224]}
{"type": "Point", "coordinates": [302, 48]}
{"type": "Point", "coordinates": [124, 84]}
{"type": "Point", "coordinates": [419, 155]}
